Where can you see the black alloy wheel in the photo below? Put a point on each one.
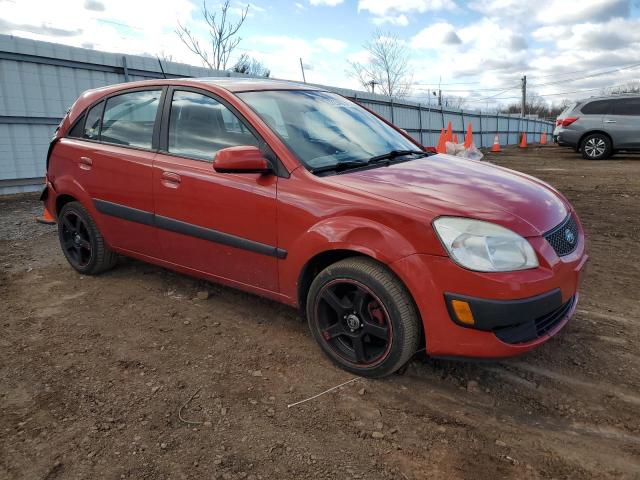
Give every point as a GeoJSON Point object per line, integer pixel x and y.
{"type": "Point", "coordinates": [354, 322]}
{"type": "Point", "coordinates": [363, 317]}
{"type": "Point", "coordinates": [81, 241]}
{"type": "Point", "coordinates": [76, 241]}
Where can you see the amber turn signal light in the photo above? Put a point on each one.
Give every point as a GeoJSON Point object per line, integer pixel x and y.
{"type": "Point", "coordinates": [463, 312]}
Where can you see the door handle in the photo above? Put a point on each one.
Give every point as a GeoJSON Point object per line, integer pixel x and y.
{"type": "Point", "coordinates": [609, 121]}
{"type": "Point", "coordinates": [170, 179]}
{"type": "Point", "coordinates": [85, 163]}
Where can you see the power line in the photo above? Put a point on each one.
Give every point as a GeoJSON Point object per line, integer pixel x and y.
{"type": "Point", "coordinates": [582, 71]}
{"type": "Point", "coordinates": [588, 76]}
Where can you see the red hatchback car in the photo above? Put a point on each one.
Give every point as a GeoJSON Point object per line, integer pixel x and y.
{"type": "Point", "coordinates": [305, 197]}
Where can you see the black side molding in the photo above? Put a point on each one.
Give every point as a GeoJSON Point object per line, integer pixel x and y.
{"type": "Point", "coordinates": [166, 223]}
{"type": "Point", "coordinates": [124, 212]}
{"type": "Point", "coordinates": [170, 224]}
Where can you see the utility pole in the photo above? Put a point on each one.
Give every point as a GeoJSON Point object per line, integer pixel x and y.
{"type": "Point", "coordinates": [524, 96]}
{"type": "Point", "coordinates": [373, 84]}
{"type": "Point", "coordinates": [304, 79]}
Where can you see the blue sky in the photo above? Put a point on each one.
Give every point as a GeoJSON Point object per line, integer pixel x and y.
{"type": "Point", "coordinates": [478, 49]}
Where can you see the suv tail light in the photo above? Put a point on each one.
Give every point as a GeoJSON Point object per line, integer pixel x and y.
{"type": "Point", "coordinates": [558, 122]}
{"type": "Point", "coordinates": [565, 122]}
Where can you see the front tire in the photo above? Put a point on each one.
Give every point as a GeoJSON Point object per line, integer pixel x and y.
{"type": "Point", "coordinates": [81, 241]}
{"type": "Point", "coordinates": [596, 147]}
{"type": "Point", "coordinates": [363, 318]}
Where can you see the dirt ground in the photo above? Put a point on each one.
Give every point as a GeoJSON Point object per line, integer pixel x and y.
{"type": "Point", "coordinates": [97, 374]}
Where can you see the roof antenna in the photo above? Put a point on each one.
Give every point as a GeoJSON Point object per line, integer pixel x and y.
{"type": "Point", "coordinates": [161, 69]}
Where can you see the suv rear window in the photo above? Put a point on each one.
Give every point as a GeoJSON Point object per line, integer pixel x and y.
{"type": "Point", "coordinates": [599, 107]}
{"type": "Point", "coordinates": [626, 106]}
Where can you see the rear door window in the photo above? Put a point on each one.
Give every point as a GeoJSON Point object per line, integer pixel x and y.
{"type": "Point", "coordinates": [598, 107]}
{"type": "Point", "coordinates": [129, 118]}
{"type": "Point", "coordinates": [626, 106]}
{"type": "Point", "coordinates": [199, 126]}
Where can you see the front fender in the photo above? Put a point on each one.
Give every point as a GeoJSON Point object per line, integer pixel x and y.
{"type": "Point", "coordinates": [356, 234]}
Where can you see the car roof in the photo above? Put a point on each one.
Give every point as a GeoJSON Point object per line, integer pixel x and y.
{"type": "Point", "coordinates": [609, 97]}
{"type": "Point", "coordinates": [231, 84]}
{"type": "Point", "coordinates": [243, 84]}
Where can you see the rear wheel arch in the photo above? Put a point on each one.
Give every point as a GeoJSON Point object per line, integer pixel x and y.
{"type": "Point", "coordinates": [62, 200]}
{"type": "Point", "coordinates": [591, 132]}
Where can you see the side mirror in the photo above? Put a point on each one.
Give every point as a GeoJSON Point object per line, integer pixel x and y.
{"type": "Point", "coordinates": [241, 159]}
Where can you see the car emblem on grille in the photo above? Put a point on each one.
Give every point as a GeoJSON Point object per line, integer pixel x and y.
{"type": "Point", "coordinates": [569, 236]}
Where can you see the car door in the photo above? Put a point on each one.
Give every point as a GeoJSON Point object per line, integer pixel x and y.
{"type": "Point", "coordinates": [115, 146]}
{"type": "Point", "coordinates": [624, 122]}
{"type": "Point", "coordinates": [222, 224]}
{"type": "Point", "coordinates": [591, 116]}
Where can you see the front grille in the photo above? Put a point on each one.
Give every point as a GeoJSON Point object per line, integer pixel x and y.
{"type": "Point", "coordinates": [564, 237]}
{"type": "Point", "coordinates": [529, 331]}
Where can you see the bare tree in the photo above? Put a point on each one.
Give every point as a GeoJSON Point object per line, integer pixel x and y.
{"type": "Point", "coordinates": [630, 87]}
{"type": "Point", "coordinates": [251, 66]}
{"type": "Point", "coordinates": [387, 65]}
{"type": "Point", "coordinates": [164, 56]}
{"type": "Point", "coordinates": [453, 101]}
{"type": "Point", "coordinates": [223, 35]}
{"type": "Point", "coordinates": [537, 105]}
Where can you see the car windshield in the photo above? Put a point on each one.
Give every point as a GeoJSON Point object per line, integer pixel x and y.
{"type": "Point", "coordinates": [325, 130]}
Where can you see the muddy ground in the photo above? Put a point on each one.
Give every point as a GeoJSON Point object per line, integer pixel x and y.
{"type": "Point", "coordinates": [94, 371]}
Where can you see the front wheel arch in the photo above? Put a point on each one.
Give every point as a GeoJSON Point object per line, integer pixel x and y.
{"type": "Point", "coordinates": [322, 260]}
{"type": "Point", "coordinates": [394, 298]}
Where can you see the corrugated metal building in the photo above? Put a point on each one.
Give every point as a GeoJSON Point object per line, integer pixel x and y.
{"type": "Point", "coordinates": [39, 81]}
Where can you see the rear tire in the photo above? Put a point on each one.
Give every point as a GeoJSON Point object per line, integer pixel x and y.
{"type": "Point", "coordinates": [363, 317]}
{"type": "Point", "coordinates": [81, 241]}
{"type": "Point", "coordinates": [596, 146]}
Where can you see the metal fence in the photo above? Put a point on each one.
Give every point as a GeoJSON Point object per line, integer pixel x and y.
{"type": "Point", "coordinates": [40, 80]}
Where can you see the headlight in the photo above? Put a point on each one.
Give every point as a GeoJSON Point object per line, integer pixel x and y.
{"type": "Point", "coordinates": [484, 246]}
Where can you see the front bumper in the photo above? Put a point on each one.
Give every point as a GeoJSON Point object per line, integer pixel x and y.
{"type": "Point", "coordinates": [516, 311]}
{"type": "Point", "coordinates": [514, 321]}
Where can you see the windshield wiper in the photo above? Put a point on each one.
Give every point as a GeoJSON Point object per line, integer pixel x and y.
{"type": "Point", "coordinates": [340, 166]}
{"type": "Point", "coordinates": [395, 154]}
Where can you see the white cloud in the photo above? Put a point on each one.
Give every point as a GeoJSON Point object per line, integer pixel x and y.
{"type": "Point", "coordinates": [435, 36]}
{"type": "Point", "coordinates": [141, 27]}
{"type": "Point", "coordinates": [399, 20]}
{"type": "Point", "coordinates": [328, 3]}
{"type": "Point", "coordinates": [331, 45]}
{"type": "Point", "coordinates": [383, 8]}
{"type": "Point", "coordinates": [563, 12]}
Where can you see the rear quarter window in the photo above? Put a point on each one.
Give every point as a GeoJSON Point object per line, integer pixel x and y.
{"type": "Point", "coordinates": [597, 107]}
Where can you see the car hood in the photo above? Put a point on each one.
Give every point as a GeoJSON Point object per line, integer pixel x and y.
{"type": "Point", "coordinates": [448, 185]}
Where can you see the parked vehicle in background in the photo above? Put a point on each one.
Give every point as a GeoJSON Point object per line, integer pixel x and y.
{"type": "Point", "coordinates": [303, 196]}
{"type": "Point", "coordinates": [600, 127]}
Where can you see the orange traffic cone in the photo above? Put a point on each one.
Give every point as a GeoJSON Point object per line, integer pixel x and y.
{"type": "Point", "coordinates": [442, 142]}
{"type": "Point", "coordinates": [495, 148]}
{"type": "Point", "coordinates": [46, 218]}
{"type": "Point", "coordinates": [468, 139]}
{"type": "Point", "coordinates": [523, 140]}
{"type": "Point", "coordinates": [543, 138]}
{"type": "Point", "coordinates": [455, 138]}
{"type": "Point", "coordinates": [449, 133]}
